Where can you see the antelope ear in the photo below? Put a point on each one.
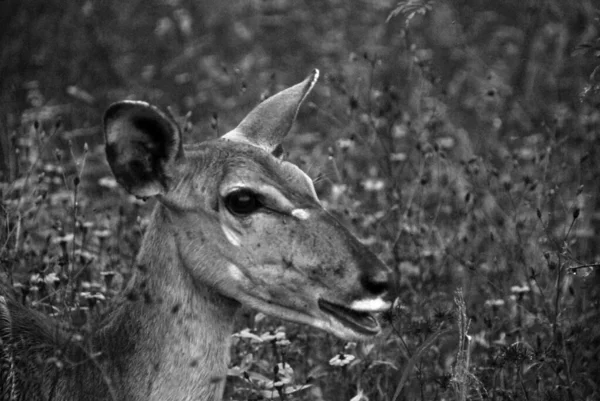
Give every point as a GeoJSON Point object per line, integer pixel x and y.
{"type": "Point", "coordinates": [142, 144]}
{"type": "Point", "coordinates": [271, 120]}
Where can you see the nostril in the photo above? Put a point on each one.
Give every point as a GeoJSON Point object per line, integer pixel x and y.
{"type": "Point", "coordinates": [376, 284]}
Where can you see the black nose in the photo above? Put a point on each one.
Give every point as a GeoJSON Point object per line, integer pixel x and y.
{"type": "Point", "coordinates": [377, 283]}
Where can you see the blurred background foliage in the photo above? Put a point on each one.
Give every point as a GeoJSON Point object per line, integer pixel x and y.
{"type": "Point", "coordinates": [460, 139]}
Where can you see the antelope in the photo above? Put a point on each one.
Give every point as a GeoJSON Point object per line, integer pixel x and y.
{"type": "Point", "coordinates": [234, 224]}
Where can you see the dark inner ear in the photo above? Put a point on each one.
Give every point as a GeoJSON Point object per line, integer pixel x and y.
{"type": "Point", "coordinates": [141, 144]}
{"type": "Point", "coordinates": [158, 143]}
{"type": "Point", "coordinates": [278, 151]}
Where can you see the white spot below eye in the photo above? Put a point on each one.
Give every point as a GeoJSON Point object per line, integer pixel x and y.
{"type": "Point", "coordinates": [300, 214]}
{"type": "Point", "coordinates": [231, 236]}
{"type": "Point", "coordinates": [235, 272]}
{"type": "Point", "coordinates": [370, 305]}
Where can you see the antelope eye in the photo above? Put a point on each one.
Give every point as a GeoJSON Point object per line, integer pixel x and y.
{"type": "Point", "coordinates": [242, 202]}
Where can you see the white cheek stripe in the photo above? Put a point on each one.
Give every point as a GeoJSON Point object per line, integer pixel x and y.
{"type": "Point", "coordinates": [300, 214]}
{"type": "Point", "coordinates": [370, 305]}
{"type": "Point", "coordinates": [231, 236]}
{"type": "Point", "coordinates": [235, 272]}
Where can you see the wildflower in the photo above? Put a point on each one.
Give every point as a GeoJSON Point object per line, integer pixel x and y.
{"type": "Point", "coordinates": [345, 144]}
{"type": "Point", "coordinates": [494, 302]}
{"type": "Point", "coordinates": [108, 182]}
{"type": "Point", "coordinates": [93, 295]}
{"type": "Point", "coordinates": [259, 317]}
{"type": "Point", "coordinates": [447, 142]}
{"type": "Point", "coordinates": [102, 233]}
{"type": "Point", "coordinates": [398, 157]}
{"type": "Point", "coordinates": [520, 289]}
{"type": "Point", "coordinates": [84, 256]}
{"type": "Point", "coordinates": [86, 225]}
{"type": "Point", "coordinates": [409, 269]}
{"type": "Point", "coordinates": [108, 276]}
{"type": "Point", "coordinates": [501, 339]}
{"type": "Point", "coordinates": [350, 346]}
{"type": "Point", "coordinates": [399, 131]}
{"type": "Point", "coordinates": [373, 184]}
{"type": "Point", "coordinates": [284, 374]}
{"type": "Point", "coordinates": [338, 190]}
{"type": "Point", "coordinates": [49, 168]}
{"type": "Point", "coordinates": [480, 338]}
{"type": "Point", "coordinates": [273, 336]}
{"type": "Point", "coordinates": [63, 239]}
{"type": "Point", "coordinates": [360, 396]}
{"type": "Point", "coordinates": [341, 359]}
{"type": "Point", "coordinates": [51, 279]}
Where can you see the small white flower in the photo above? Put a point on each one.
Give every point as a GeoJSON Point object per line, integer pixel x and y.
{"type": "Point", "coordinates": [85, 256]}
{"type": "Point", "coordinates": [360, 396]}
{"type": "Point", "coordinates": [108, 182]}
{"type": "Point", "coordinates": [446, 142]}
{"type": "Point", "coordinates": [494, 302]}
{"type": "Point", "coordinates": [520, 289]}
{"type": "Point", "coordinates": [270, 336]}
{"type": "Point", "coordinates": [341, 359]}
{"type": "Point", "coordinates": [63, 239]}
{"type": "Point", "coordinates": [51, 279]}
{"type": "Point", "coordinates": [373, 184]}
{"type": "Point", "coordinates": [398, 157]}
{"type": "Point", "coordinates": [350, 346]}
{"type": "Point", "coordinates": [345, 143]}
{"type": "Point", "coordinates": [102, 233]}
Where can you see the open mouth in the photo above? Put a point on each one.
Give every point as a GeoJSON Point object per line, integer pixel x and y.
{"type": "Point", "coordinates": [361, 322]}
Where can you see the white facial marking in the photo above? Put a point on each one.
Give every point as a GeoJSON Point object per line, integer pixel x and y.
{"type": "Point", "coordinates": [300, 214]}
{"type": "Point", "coordinates": [370, 305]}
{"type": "Point", "coordinates": [231, 236]}
{"type": "Point", "coordinates": [235, 272]}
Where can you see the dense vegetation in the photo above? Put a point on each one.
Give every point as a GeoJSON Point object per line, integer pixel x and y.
{"type": "Point", "coordinates": [459, 139]}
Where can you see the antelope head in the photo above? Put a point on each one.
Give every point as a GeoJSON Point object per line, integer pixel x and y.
{"type": "Point", "coordinates": [247, 224]}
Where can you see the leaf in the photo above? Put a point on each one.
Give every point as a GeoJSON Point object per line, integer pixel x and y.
{"type": "Point", "coordinates": [236, 371]}
{"type": "Point", "coordinates": [385, 363]}
{"type": "Point", "coordinates": [245, 333]}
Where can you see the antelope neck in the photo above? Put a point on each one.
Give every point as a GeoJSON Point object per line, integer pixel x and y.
{"type": "Point", "coordinates": [182, 346]}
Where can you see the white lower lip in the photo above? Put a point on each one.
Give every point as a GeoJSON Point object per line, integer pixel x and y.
{"type": "Point", "coordinates": [370, 305]}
